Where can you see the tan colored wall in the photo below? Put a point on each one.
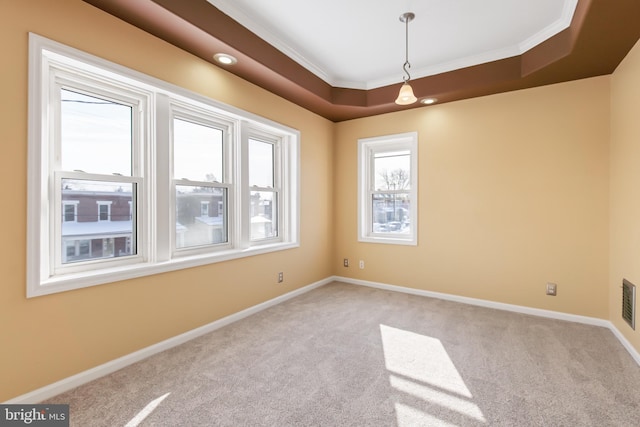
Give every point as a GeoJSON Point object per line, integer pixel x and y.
{"type": "Point", "coordinates": [49, 338]}
{"type": "Point", "coordinates": [624, 255]}
{"type": "Point", "coordinates": [513, 193]}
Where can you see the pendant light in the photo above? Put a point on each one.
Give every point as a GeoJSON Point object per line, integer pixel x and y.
{"type": "Point", "coordinates": [406, 96]}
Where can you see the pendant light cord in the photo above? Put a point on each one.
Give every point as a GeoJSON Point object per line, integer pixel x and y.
{"type": "Point", "coordinates": [406, 65]}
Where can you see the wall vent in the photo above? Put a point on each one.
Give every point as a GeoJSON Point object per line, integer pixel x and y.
{"type": "Point", "coordinates": [629, 303]}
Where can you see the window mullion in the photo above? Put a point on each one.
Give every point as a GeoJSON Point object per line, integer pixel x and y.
{"type": "Point", "coordinates": [142, 168]}
{"type": "Point", "coordinates": [161, 188]}
{"type": "Point", "coordinates": [243, 205]}
{"type": "Point", "coordinates": [53, 162]}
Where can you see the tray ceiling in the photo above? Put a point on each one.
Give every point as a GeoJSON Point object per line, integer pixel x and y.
{"type": "Point", "coordinates": [343, 59]}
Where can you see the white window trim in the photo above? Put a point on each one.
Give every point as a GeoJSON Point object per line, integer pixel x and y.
{"type": "Point", "coordinates": [251, 132]}
{"type": "Point", "coordinates": [155, 230]}
{"type": "Point", "coordinates": [367, 147]}
{"type": "Point", "coordinates": [207, 117]}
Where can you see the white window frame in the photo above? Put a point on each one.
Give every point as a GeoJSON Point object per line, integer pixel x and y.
{"type": "Point", "coordinates": [57, 74]}
{"type": "Point", "coordinates": [153, 207]}
{"type": "Point", "coordinates": [207, 117]}
{"type": "Point", "coordinates": [251, 132]}
{"type": "Point", "coordinates": [367, 148]}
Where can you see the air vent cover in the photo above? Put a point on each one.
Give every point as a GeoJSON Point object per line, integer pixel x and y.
{"type": "Point", "coordinates": [629, 303]}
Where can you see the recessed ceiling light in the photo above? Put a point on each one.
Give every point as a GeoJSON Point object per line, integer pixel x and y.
{"type": "Point", "coordinates": [428, 101]}
{"type": "Point", "coordinates": [225, 59]}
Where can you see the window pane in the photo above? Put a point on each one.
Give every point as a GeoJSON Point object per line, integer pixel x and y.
{"type": "Point", "coordinates": [84, 250]}
{"type": "Point", "coordinates": [103, 212]}
{"type": "Point", "coordinates": [89, 237]}
{"type": "Point", "coordinates": [392, 170]}
{"type": "Point", "coordinates": [195, 224]}
{"type": "Point", "coordinates": [391, 213]}
{"type": "Point", "coordinates": [264, 215]}
{"type": "Point", "coordinates": [197, 152]}
{"type": "Point", "coordinates": [204, 208]}
{"type": "Point", "coordinates": [260, 163]}
{"type": "Point", "coordinates": [69, 212]}
{"type": "Point", "coordinates": [96, 134]}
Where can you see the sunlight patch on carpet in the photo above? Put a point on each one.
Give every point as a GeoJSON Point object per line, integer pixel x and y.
{"type": "Point", "coordinates": [420, 367]}
{"type": "Point", "coordinates": [146, 411]}
{"type": "Point", "coordinates": [409, 416]}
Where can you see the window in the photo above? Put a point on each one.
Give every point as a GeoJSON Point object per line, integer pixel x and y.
{"type": "Point", "coordinates": [130, 176]}
{"type": "Point", "coordinates": [388, 189]}
{"type": "Point", "coordinates": [263, 187]}
{"type": "Point", "coordinates": [96, 132]}
{"type": "Point", "coordinates": [202, 179]}
{"type": "Point", "coordinates": [70, 210]}
{"type": "Point", "coordinates": [204, 209]}
{"type": "Point", "coordinates": [104, 211]}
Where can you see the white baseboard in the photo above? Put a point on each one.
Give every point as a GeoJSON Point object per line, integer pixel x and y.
{"type": "Point", "coordinates": [84, 377]}
{"type": "Point", "coordinates": [625, 343]}
{"type": "Point", "coordinates": [479, 302]}
{"type": "Point", "coordinates": [502, 306]}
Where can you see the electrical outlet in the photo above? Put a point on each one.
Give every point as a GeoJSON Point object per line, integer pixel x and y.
{"type": "Point", "coordinates": [346, 262]}
{"type": "Point", "coordinates": [280, 277]}
{"type": "Point", "coordinates": [552, 289]}
{"type": "Point", "coordinates": [361, 265]}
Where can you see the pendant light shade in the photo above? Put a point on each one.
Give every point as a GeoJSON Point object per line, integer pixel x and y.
{"type": "Point", "coordinates": [406, 96]}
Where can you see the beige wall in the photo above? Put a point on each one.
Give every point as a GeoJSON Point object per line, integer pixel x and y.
{"type": "Point", "coordinates": [624, 254]}
{"type": "Point", "coordinates": [49, 338]}
{"type": "Point", "coordinates": [513, 193]}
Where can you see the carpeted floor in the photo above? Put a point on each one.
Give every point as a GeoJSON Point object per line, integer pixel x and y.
{"type": "Point", "coordinates": [345, 355]}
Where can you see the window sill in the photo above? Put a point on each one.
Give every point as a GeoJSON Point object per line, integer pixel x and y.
{"type": "Point", "coordinates": [68, 282]}
{"type": "Point", "coordinates": [391, 240]}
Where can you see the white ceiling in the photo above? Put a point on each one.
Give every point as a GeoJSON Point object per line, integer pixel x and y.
{"type": "Point", "coordinates": [360, 44]}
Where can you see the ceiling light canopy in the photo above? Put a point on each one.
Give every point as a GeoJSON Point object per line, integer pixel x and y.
{"type": "Point", "coordinates": [406, 96]}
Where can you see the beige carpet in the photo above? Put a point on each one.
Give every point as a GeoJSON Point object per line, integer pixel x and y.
{"type": "Point", "coordinates": [344, 355]}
